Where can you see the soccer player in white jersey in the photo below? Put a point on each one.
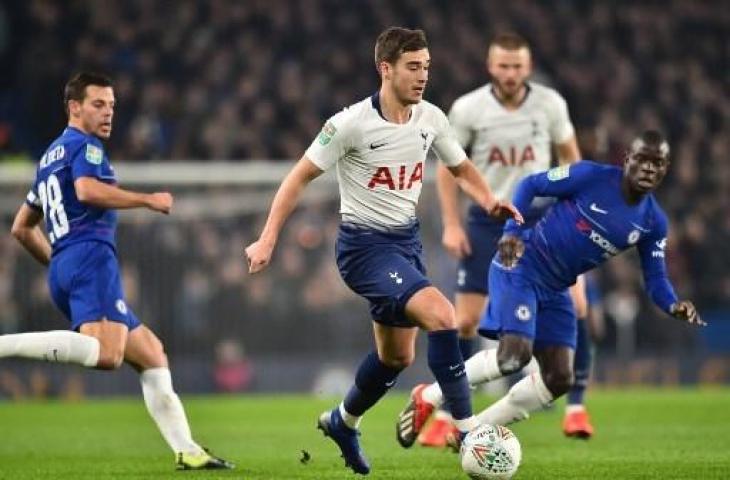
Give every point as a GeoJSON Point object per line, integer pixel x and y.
{"type": "Point", "coordinates": [510, 126]}
{"type": "Point", "coordinates": [379, 147]}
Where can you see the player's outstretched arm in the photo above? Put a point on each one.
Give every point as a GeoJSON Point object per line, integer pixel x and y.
{"type": "Point", "coordinates": [471, 181]}
{"type": "Point", "coordinates": [26, 229]}
{"type": "Point", "coordinates": [685, 310]}
{"type": "Point", "coordinates": [568, 151]}
{"type": "Point", "coordinates": [656, 281]}
{"type": "Point", "coordinates": [454, 237]}
{"type": "Point", "coordinates": [259, 252]}
{"type": "Point", "coordinates": [91, 191]}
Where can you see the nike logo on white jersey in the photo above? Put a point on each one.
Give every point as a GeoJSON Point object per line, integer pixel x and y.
{"type": "Point", "coordinates": [373, 146]}
{"type": "Point", "coordinates": [595, 208]}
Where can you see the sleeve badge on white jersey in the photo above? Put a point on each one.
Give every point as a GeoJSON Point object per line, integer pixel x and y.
{"type": "Point", "coordinates": [558, 173]}
{"type": "Point", "coordinates": [328, 131]}
{"type": "Point", "coordinates": [94, 154]}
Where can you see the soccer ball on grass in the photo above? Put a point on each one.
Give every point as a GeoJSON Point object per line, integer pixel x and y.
{"type": "Point", "coordinates": [490, 452]}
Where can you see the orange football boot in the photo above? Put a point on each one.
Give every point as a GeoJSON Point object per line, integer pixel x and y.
{"type": "Point", "coordinates": [577, 424]}
{"type": "Point", "coordinates": [413, 418]}
{"type": "Point", "coordinates": [436, 433]}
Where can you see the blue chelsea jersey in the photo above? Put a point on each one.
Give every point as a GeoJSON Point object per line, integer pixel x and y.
{"type": "Point", "coordinates": [72, 155]}
{"type": "Point", "coordinates": [590, 223]}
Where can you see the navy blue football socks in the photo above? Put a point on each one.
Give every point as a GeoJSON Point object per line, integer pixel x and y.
{"type": "Point", "coordinates": [372, 381]}
{"type": "Point", "coordinates": [582, 365]}
{"type": "Point", "coordinates": [447, 365]}
{"type": "Point", "coordinates": [466, 347]}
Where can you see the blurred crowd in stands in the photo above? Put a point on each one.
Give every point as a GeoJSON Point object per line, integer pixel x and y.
{"type": "Point", "coordinates": [229, 80]}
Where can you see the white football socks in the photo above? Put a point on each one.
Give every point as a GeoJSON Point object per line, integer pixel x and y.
{"type": "Point", "coordinates": [167, 410]}
{"type": "Point", "coordinates": [525, 396]}
{"type": "Point", "coordinates": [574, 407]}
{"type": "Point", "coordinates": [55, 346]}
{"type": "Point", "coordinates": [350, 420]}
{"type": "Point", "coordinates": [466, 424]}
{"type": "Point", "coordinates": [481, 367]}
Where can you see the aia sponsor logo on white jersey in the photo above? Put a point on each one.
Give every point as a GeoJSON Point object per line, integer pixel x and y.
{"type": "Point", "coordinates": [380, 164]}
{"type": "Point", "coordinates": [507, 145]}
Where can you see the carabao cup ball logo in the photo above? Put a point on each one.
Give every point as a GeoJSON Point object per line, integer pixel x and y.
{"type": "Point", "coordinates": [490, 452]}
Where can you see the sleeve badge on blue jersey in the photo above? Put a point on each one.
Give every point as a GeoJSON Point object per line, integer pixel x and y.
{"type": "Point", "coordinates": [94, 154]}
{"type": "Point", "coordinates": [32, 199]}
{"type": "Point", "coordinates": [558, 173]}
{"type": "Point", "coordinates": [661, 245]}
{"type": "Point", "coordinates": [328, 131]}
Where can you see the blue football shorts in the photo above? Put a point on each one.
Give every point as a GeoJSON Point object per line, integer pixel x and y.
{"type": "Point", "coordinates": [86, 286]}
{"type": "Point", "coordinates": [484, 233]}
{"type": "Point", "coordinates": [384, 267]}
{"type": "Point", "coordinates": [519, 305]}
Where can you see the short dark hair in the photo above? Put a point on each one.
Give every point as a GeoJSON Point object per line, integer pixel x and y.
{"type": "Point", "coordinates": [651, 139]}
{"type": "Point", "coordinates": [75, 88]}
{"type": "Point", "coordinates": [509, 41]}
{"type": "Point", "coordinates": [394, 41]}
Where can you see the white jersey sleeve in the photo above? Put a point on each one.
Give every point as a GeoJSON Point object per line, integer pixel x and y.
{"type": "Point", "coordinates": [446, 144]}
{"type": "Point", "coordinates": [460, 122]}
{"type": "Point", "coordinates": [334, 141]}
{"type": "Point", "coordinates": [560, 128]}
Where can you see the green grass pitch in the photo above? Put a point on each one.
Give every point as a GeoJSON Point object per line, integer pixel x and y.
{"type": "Point", "coordinates": [641, 434]}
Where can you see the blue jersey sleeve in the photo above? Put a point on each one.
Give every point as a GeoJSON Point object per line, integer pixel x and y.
{"type": "Point", "coordinates": [32, 199]}
{"type": "Point", "coordinates": [561, 182]}
{"type": "Point", "coordinates": [651, 251]}
{"type": "Point", "coordinates": [87, 161]}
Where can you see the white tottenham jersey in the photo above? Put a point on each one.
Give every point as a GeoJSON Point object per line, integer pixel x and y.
{"type": "Point", "coordinates": [505, 145]}
{"type": "Point", "coordinates": [380, 164]}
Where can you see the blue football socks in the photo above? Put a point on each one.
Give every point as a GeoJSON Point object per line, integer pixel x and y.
{"type": "Point", "coordinates": [372, 381]}
{"type": "Point", "coordinates": [447, 365]}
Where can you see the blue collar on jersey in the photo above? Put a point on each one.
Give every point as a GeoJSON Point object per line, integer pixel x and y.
{"type": "Point", "coordinates": [375, 101]}
{"type": "Point", "coordinates": [524, 99]}
{"type": "Point", "coordinates": [69, 129]}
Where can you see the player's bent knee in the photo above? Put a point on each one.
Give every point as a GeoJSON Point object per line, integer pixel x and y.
{"type": "Point", "coordinates": [399, 362]}
{"type": "Point", "coordinates": [442, 318]}
{"type": "Point", "coordinates": [156, 359]}
{"type": "Point", "coordinates": [153, 358]}
{"type": "Point", "coordinates": [512, 360]}
{"type": "Point", "coordinates": [430, 310]}
{"type": "Point", "coordinates": [558, 382]}
{"type": "Point", "coordinates": [110, 360]}
{"type": "Point", "coordinates": [467, 326]}
{"type": "Point", "coordinates": [513, 363]}
{"type": "Point", "coordinates": [467, 318]}
{"type": "Point", "coordinates": [513, 354]}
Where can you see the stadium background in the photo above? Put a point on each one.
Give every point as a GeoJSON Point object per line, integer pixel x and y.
{"type": "Point", "coordinates": [215, 99]}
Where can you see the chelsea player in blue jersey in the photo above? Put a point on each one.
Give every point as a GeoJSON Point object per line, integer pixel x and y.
{"type": "Point", "coordinates": [75, 191]}
{"type": "Point", "coordinates": [601, 211]}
